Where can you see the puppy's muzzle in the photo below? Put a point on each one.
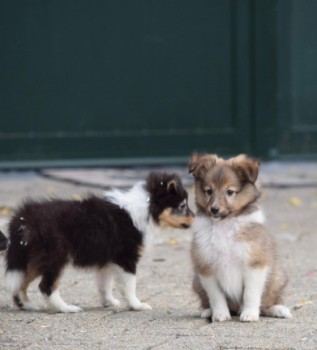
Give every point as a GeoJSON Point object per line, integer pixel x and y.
{"type": "Point", "coordinates": [177, 218]}
{"type": "Point", "coordinates": [218, 214]}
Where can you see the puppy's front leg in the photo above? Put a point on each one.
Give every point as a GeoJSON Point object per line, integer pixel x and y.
{"type": "Point", "coordinates": [129, 281]}
{"type": "Point", "coordinates": [217, 299]}
{"type": "Point", "coordinates": [254, 282]}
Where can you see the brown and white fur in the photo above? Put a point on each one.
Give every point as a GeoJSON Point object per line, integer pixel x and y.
{"type": "Point", "coordinates": [234, 257]}
{"type": "Point", "coordinates": [106, 234]}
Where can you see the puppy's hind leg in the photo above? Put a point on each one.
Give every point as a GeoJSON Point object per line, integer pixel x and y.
{"type": "Point", "coordinates": [49, 288]}
{"type": "Point", "coordinates": [279, 311]}
{"type": "Point", "coordinates": [272, 305]}
{"type": "Point", "coordinates": [24, 299]}
{"type": "Point", "coordinates": [129, 281]}
{"type": "Point", "coordinates": [17, 282]}
{"type": "Point", "coordinates": [204, 301]}
{"type": "Point", "coordinates": [104, 279]}
{"type": "Point", "coordinates": [14, 281]}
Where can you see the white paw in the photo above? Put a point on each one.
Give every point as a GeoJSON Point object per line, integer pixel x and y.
{"type": "Point", "coordinates": [70, 309]}
{"type": "Point", "coordinates": [111, 302]}
{"type": "Point", "coordinates": [30, 307]}
{"type": "Point", "coordinates": [221, 316]}
{"type": "Point", "coordinates": [249, 315]}
{"type": "Point", "coordinates": [141, 307]}
{"type": "Point", "coordinates": [206, 313]}
{"type": "Point", "coordinates": [280, 311]}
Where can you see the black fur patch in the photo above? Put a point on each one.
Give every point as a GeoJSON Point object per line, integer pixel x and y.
{"type": "Point", "coordinates": [91, 233]}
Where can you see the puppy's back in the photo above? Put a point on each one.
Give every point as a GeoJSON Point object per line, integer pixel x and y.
{"type": "Point", "coordinates": [91, 233]}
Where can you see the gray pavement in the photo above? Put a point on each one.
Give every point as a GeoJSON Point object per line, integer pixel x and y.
{"type": "Point", "coordinates": [164, 276]}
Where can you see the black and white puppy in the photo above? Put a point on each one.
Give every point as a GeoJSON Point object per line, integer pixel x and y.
{"type": "Point", "coordinates": [107, 234]}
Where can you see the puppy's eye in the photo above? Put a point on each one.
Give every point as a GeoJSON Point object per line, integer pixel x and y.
{"type": "Point", "coordinates": [229, 193]}
{"type": "Point", "coordinates": [209, 192]}
{"type": "Point", "coordinates": [182, 206]}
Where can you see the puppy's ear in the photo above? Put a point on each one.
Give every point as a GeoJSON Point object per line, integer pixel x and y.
{"type": "Point", "coordinates": [193, 162]}
{"type": "Point", "coordinates": [199, 164]}
{"type": "Point", "coordinates": [172, 186]}
{"type": "Point", "coordinates": [246, 168]}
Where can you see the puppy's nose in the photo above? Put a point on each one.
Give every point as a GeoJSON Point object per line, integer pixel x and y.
{"type": "Point", "coordinates": [215, 210]}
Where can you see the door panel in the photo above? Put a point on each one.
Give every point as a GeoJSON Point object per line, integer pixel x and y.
{"type": "Point", "coordinates": [117, 79]}
{"type": "Point", "coordinates": [297, 77]}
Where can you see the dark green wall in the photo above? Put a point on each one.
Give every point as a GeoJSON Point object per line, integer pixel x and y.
{"type": "Point", "coordinates": [297, 77]}
{"type": "Point", "coordinates": [102, 81]}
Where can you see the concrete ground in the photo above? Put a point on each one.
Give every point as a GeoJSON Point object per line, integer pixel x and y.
{"type": "Point", "coordinates": [164, 276]}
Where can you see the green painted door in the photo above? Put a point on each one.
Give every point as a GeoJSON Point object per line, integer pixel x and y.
{"type": "Point", "coordinates": [105, 81]}
{"type": "Point", "coordinates": [297, 77]}
{"type": "Point", "coordinates": [121, 79]}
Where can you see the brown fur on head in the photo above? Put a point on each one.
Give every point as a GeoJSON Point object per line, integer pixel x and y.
{"type": "Point", "coordinates": [224, 188]}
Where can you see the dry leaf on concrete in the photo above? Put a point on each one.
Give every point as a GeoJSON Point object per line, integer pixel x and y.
{"type": "Point", "coordinates": [302, 303]}
{"type": "Point", "coordinates": [295, 201]}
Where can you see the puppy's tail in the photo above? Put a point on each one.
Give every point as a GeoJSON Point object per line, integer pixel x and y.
{"type": "Point", "coordinates": [3, 241]}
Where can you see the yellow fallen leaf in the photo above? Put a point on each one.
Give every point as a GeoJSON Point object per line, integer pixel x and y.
{"type": "Point", "coordinates": [295, 201]}
{"type": "Point", "coordinates": [303, 303]}
{"type": "Point", "coordinates": [76, 197]}
{"type": "Point", "coordinates": [50, 189]}
{"type": "Point", "coordinates": [172, 241]}
{"type": "Point", "coordinates": [5, 211]}
{"type": "Point", "coordinates": [285, 226]}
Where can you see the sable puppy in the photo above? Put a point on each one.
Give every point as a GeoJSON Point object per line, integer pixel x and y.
{"type": "Point", "coordinates": [107, 234]}
{"type": "Point", "coordinates": [234, 256]}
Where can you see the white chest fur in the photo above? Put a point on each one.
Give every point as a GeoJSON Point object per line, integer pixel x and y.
{"type": "Point", "coordinates": [219, 247]}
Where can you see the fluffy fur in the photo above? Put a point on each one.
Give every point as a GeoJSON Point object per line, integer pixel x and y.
{"type": "Point", "coordinates": [234, 257]}
{"type": "Point", "coordinates": [3, 241]}
{"type": "Point", "coordinates": [107, 234]}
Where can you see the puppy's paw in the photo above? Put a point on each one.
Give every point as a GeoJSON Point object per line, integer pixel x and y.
{"type": "Point", "coordinates": [221, 316]}
{"type": "Point", "coordinates": [111, 302]}
{"type": "Point", "coordinates": [141, 307]}
{"type": "Point", "coordinates": [115, 302]}
{"type": "Point", "coordinates": [249, 315]}
{"type": "Point", "coordinates": [70, 309]}
{"type": "Point", "coordinates": [279, 311]}
{"type": "Point", "coordinates": [29, 307]}
{"type": "Point", "coordinates": [206, 313]}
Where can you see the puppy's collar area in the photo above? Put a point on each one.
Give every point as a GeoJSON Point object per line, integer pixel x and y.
{"type": "Point", "coordinates": [135, 201]}
{"type": "Point", "coordinates": [256, 217]}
